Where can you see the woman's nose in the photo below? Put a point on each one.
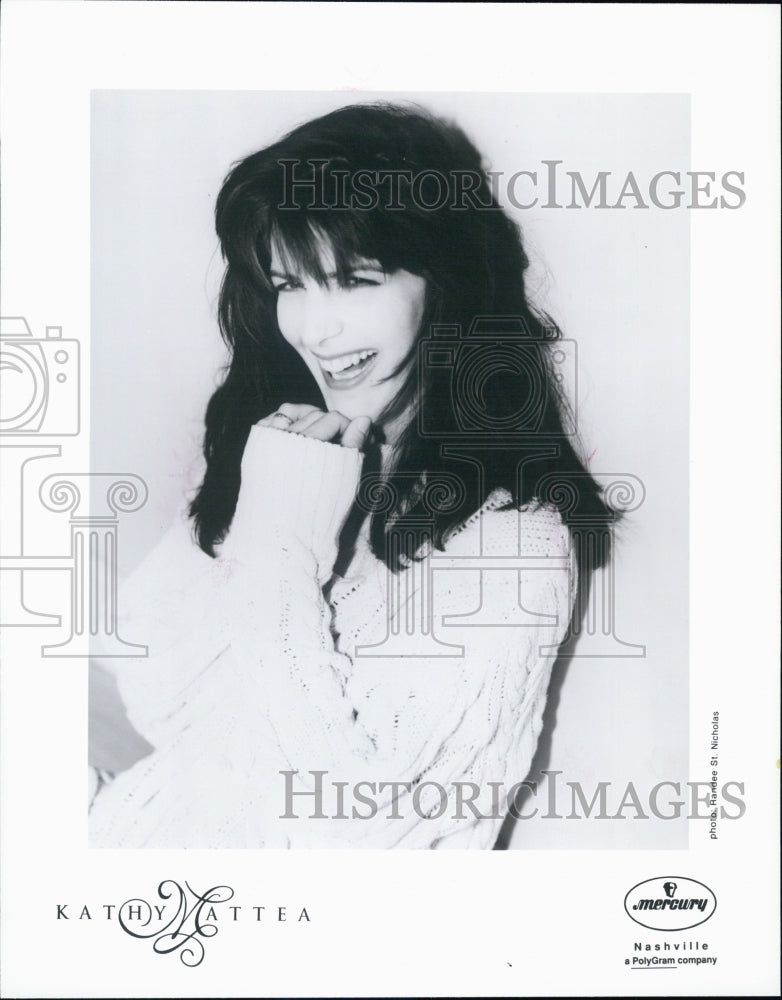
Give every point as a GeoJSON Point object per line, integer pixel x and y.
{"type": "Point", "coordinates": [322, 318]}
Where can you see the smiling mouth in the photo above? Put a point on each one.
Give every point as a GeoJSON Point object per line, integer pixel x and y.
{"type": "Point", "coordinates": [347, 369]}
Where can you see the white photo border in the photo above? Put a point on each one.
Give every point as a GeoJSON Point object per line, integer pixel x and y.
{"type": "Point", "coordinates": [546, 923]}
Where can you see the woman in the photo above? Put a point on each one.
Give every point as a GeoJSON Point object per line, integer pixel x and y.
{"type": "Point", "coordinates": [389, 467]}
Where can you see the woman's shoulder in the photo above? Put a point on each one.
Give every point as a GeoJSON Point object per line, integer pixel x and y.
{"type": "Point", "coordinates": [501, 527]}
{"type": "Point", "coordinates": [502, 551]}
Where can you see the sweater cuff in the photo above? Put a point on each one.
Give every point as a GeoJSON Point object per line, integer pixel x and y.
{"type": "Point", "coordinates": [292, 484]}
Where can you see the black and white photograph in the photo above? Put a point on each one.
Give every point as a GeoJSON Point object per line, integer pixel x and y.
{"type": "Point", "coordinates": [373, 666]}
{"type": "Point", "coordinates": [382, 448]}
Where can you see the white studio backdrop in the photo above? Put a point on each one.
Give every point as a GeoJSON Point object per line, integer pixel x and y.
{"type": "Point", "coordinates": [615, 280]}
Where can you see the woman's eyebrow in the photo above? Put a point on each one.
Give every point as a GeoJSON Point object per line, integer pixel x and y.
{"type": "Point", "coordinates": [358, 265]}
{"type": "Point", "coordinates": [363, 264]}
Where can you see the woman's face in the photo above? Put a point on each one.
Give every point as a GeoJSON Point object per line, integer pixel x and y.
{"type": "Point", "coordinates": [351, 337]}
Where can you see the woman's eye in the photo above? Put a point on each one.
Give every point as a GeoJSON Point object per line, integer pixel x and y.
{"type": "Point", "coordinates": [361, 280]}
{"type": "Point", "coordinates": [287, 286]}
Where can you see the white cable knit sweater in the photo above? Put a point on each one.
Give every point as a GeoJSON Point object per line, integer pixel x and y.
{"type": "Point", "coordinates": [252, 672]}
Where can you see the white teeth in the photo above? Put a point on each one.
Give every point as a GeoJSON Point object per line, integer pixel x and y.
{"type": "Point", "coordinates": [335, 366]}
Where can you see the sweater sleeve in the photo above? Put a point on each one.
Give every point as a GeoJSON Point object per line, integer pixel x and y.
{"type": "Point", "coordinates": [418, 732]}
{"type": "Point", "coordinates": [272, 729]}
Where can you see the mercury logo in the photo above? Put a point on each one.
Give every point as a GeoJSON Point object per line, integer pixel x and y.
{"type": "Point", "coordinates": [670, 904]}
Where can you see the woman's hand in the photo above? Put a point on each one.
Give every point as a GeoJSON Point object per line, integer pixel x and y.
{"type": "Point", "coordinates": [309, 421]}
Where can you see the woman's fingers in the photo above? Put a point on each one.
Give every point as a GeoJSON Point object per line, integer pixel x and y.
{"type": "Point", "coordinates": [355, 434]}
{"type": "Point", "coordinates": [286, 415]}
{"type": "Point", "coordinates": [328, 427]}
{"type": "Point", "coordinates": [306, 421]}
{"type": "Point", "coordinates": [310, 421]}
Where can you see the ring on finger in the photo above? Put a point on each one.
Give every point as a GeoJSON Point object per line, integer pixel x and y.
{"type": "Point", "coordinates": [289, 421]}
